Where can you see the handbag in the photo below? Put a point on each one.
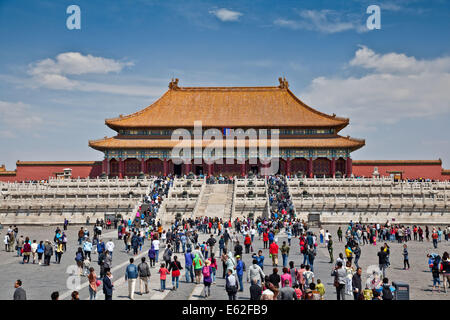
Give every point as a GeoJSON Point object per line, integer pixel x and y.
{"type": "Point", "coordinates": [98, 283]}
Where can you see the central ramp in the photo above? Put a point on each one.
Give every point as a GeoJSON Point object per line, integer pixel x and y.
{"type": "Point", "coordinates": [216, 201]}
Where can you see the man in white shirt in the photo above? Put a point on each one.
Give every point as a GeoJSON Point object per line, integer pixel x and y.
{"type": "Point", "coordinates": [34, 246]}
{"type": "Point", "coordinates": [110, 246]}
{"type": "Point", "coordinates": [155, 244]}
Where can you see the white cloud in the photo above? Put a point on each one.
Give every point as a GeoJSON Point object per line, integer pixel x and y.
{"type": "Point", "coordinates": [56, 74]}
{"type": "Point", "coordinates": [15, 117]}
{"type": "Point", "coordinates": [325, 21]}
{"type": "Point", "coordinates": [397, 62]}
{"type": "Point", "coordinates": [393, 88]}
{"type": "Point", "coordinates": [74, 63]}
{"type": "Point", "coordinates": [224, 14]}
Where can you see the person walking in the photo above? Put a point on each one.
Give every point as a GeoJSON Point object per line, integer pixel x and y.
{"type": "Point", "coordinates": [144, 275]}
{"type": "Point", "coordinates": [405, 257]}
{"type": "Point", "coordinates": [26, 250]}
{"type": "Point", "coordinates": [188, 264]}
{"type": "Point", "coordinates": [108, 286]}
{"type": "Point", "coordinates": [79, 258]}
{"type": "Point", "coordinates": [163, 276]}
{"type": "Point", "coordinates": [207, 278]}
{"type": "Point", "coordinates": [445, 269]}
{"type": "Point", "coordinates": [240, 268]}
{"type": "Point", "coordinates": [330, 248]}
{"type": "Point", "coordinates": [382, 261]}
{"type": "Point", "coordinates": [357, 284]}
{"type": "Point", "coordinates": [48, 252]}
{"type": "Point", "coordinates": [93, 284]}
{"type": "Point", "coordinates": [255, 290]}
{"type": "Point", "coordinates": [131, 274]}
{"type": "Point", "coordinates": [231, 285]}
{"type": "Point", "coordinates": [287, 292]}
{"type": "Point", "coordinates": [255, 273]}
{"type": "Point", "coordinates": [175, 267]}
{"type": "Point", "coordinates": [59, 251]}
{"type": "Point", "coordinates": [273, 251]}
{"type": "Point", "coordinates": [198, 263]}
{"type": "Point", "coordinates": [339, 275]}
{"type": "Point", "coordinates": [285, 253]}
{"type": "Point", "coordinates": [87, 248]}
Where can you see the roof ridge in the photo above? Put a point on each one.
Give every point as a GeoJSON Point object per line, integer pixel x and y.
{"type": "Point", "coordinates": [334, 117]}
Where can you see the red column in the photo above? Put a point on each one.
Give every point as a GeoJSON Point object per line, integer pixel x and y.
{"type": "Point", "coordinates": [121, 168]}
{"type": "Point", "coordinates": [209, 169]}
{"type": "Point", "coordinates": [349, 167]}
{"type": "Point", "coordinates": [333, 167]}
{"type": "Point", "coordinates": [142, 165]}
{"type": "Point", "coordinates": [310, 168]}
{"type": "Point", "coordinates": [105, 166]}
{"type": "Point", "coordinates": [288, 166]}
{"type": "Point", "coordinates": [166, 167]}
{"type": "Point", "coordinates": [187, 168]}
{"type": "Point", "coordinates": [243, 169]}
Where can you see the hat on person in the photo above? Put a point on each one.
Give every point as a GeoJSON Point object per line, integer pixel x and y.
{"type": "Point", "coordinates": [207, 262]}
{"type": "Point", "coordinates": [238, 256]}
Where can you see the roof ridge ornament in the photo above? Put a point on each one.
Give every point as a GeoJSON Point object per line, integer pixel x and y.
{"type": "Point", "coordinates": [284, 84]}
{"type": "Point", "coordinates": [173, 84]}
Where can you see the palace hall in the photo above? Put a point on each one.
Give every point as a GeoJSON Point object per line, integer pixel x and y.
{"type": "Point", "coordinates": [309, 140]}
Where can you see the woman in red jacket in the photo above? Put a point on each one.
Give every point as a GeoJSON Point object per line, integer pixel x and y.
{"type": "Point", "coordinates": [247, 243]}
{"type": "Point", "coordinates": [273, 250]}
{"type": "Point", "coordinates": [265, 239]}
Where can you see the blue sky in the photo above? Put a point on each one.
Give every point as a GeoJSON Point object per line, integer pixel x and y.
{"type": "Point", "coordinates": [57, 85]}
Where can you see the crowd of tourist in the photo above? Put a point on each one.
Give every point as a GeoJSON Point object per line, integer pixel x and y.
{"type": "Point", "coordinates": [233, 240]}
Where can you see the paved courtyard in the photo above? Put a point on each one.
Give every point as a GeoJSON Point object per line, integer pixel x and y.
{"type": "Point", "coordinates": [40, 281]}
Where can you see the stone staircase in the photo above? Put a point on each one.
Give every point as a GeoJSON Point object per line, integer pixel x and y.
{"type": "Point", "coordinates": [216, 201]}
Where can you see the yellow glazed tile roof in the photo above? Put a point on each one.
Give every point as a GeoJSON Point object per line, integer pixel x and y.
{"type": "Point", "coordinates": [223, 107]}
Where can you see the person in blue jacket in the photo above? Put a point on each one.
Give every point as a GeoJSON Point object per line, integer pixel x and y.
{"type": "Point", "coordinates": [240, 266]}
{"type": "Point", "coordinates": [131, 274]}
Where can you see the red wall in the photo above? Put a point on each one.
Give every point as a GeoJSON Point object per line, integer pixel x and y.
{"type": "Point", "coordinates": [45, 171]}
{"type": "Point", "coordinates": [410, 171]}
{"type": "Point", "coordinates": [91, 169]}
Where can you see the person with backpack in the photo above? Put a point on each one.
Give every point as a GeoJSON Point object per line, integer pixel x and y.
{"type": "Point", "coordinates": [167, 255]}
{"type": "Point", "coordinates": [198, 266]}
{"type": "Point", "coordinates": [386, 290]}
{"type": "Point", "coordinates": [231, 285]}
{"type": "Point", "coordinates": [213, 261]}
{"type": "Point", "coordinates": [144, 275]}
{"type": "Point", "coordinates": [131, 274]}
{"type": "Point", "coordinates": [207, 278]}
{"type": "Point", "coordinates": [255, 273]}
{"type": "Point", "coordinates": [176, 268]}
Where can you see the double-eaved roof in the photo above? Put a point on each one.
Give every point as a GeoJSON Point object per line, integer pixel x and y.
{"type": "Point", "coordinates": [228, 107]}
